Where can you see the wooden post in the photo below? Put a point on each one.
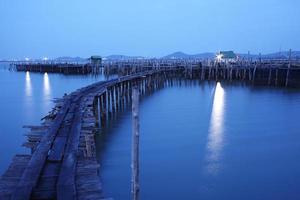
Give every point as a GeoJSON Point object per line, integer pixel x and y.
{"type": "Point", "coordinates": [276, 77]}
{"type": "Point", "coordinates": [102, 120]}
{"type": "Point", "coordinates": [99, 111]}
{"type": "Point", "coordinates": [270, 76]}
{"type": "Point", "coordinates": [202, 73]}
{"type": "Point", "coordinates": [260, 59]}
{"type": "Point", "coordinates": [135, 188]}
{"type": "Point", "coordinates": [248, 58]}
{"type": "Point", "coordinates": [117, 97]}
{"type": "Point", "coordinates": [250, 77]}
{"type": "Point", "coordinates": [288, 70]}
{"type": "Point", "coordinates": [253, 76]}
{"type": "Point", "coordinates": [104, 116]}
{"type": "Point", "coordinates": [108, 102]}
{"type": "Point", "coordinates": [113, 100]}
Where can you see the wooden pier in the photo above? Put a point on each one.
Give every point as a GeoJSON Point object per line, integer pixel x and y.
{"type": "Point", "coordinates": [62, 163]}
{"type": "Point", "coordinates": [63, 68]}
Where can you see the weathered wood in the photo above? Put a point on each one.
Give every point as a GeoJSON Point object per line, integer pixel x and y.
{"type": "Point", "coordinates": [66, 181]}
{"type": "Point", "coordinates": [135, 144]}
{"type": "Point", "coordinates": [12, 175]}
{"type": "Point", "coordinates": [56, 152]}
{"type": "Point", "coordinates": [31, 173]}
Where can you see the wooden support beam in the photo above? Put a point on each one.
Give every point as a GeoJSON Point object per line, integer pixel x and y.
{"type": "Point", "coordinates": [135, 144]}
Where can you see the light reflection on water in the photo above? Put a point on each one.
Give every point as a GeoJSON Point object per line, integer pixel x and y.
{"type": "Point", "coordinates": [193, 148]}
{"type": "Point", "coordinates": [28, 98]}
{"type": "Point", "coordinates": [47, 92]}
{"type": "Point", "coordinates": [46, 88]}
{"type": "Point", "coordinates": [25, 99]}
{"type": "Point", "coordinates": [216, 131]}
{"type": "Point", "coordinates": [28, 86]}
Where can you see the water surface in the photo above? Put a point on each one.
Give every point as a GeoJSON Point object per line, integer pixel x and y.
{"type": "Point", "coordinates": [208, 141]}
{"type": "Point", "coordinates": [25, 99]}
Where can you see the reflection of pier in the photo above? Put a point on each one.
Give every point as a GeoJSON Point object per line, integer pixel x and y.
{"type": "Point", "coordinates": [63, 163]}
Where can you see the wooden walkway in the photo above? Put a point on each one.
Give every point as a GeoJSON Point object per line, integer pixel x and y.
{"type": "Point", "coordinates": [64, 68]}
{"type": "Point", "coordinates": [63, 162]}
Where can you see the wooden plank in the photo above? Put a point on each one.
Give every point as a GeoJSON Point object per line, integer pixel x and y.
{"type": "Point", "coordinates": [33, 170]}
{"type": "Point", "coordinates": [35, 127]}
{"type": "Point", "coordinates": [11, 177]}
{"type": "Point", "coordinates": [64, 130]}
{"type": "Point", "coordinates": [66, 182]}
{"type": "Point", "coordinates": [51, 169]}
{"type": "Point", "coordinates": [57, 151]}
{"type": "Point", "coordinates": [43, 194]}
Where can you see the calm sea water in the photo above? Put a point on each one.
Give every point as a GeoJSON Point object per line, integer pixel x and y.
{"type": "Point", "coordinates": [25, 99]}
{"type": "Point", "coordinates": [210, 141]}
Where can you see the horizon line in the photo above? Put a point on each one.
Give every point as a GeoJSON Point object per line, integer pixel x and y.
{"type": "Point", "coordinates": [146, 57]}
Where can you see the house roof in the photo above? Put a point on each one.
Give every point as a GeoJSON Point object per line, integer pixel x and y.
{"type": "Point", "coordinates": [228, 54]}
{"type": "Point", "coordinates": [95, 58]}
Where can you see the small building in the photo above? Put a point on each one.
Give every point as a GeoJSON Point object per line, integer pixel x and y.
{"type": "Point", "coordinates": [96, 60]}
{"type": "Point", "coordinates": [95, 63]}
{"type": "Point", "coordinates": [226, 56]}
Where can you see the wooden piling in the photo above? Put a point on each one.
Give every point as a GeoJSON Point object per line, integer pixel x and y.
{"type": "Point", "coordinates": [288, 70]}
{"type": "Point", "coordinates": [270, 76]}
{"type": "Point", "coordinates": [135, 144]}
{"type": "Point", "coordinates": [99, 111]}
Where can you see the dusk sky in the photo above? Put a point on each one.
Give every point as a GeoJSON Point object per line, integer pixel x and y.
{"type": "Point", "coordinates": [52, 28]}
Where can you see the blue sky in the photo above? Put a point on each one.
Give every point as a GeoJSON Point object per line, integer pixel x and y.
{"type": "Point", "coordinates": [38, 28]}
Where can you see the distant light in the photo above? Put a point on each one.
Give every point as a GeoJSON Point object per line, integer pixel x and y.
{"type": "Point", "coordinates": [27, 59]}
{"type": "Point", "coordinates": [45, 58]}
{"type": "Point", "coordinates": [219, 57]}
